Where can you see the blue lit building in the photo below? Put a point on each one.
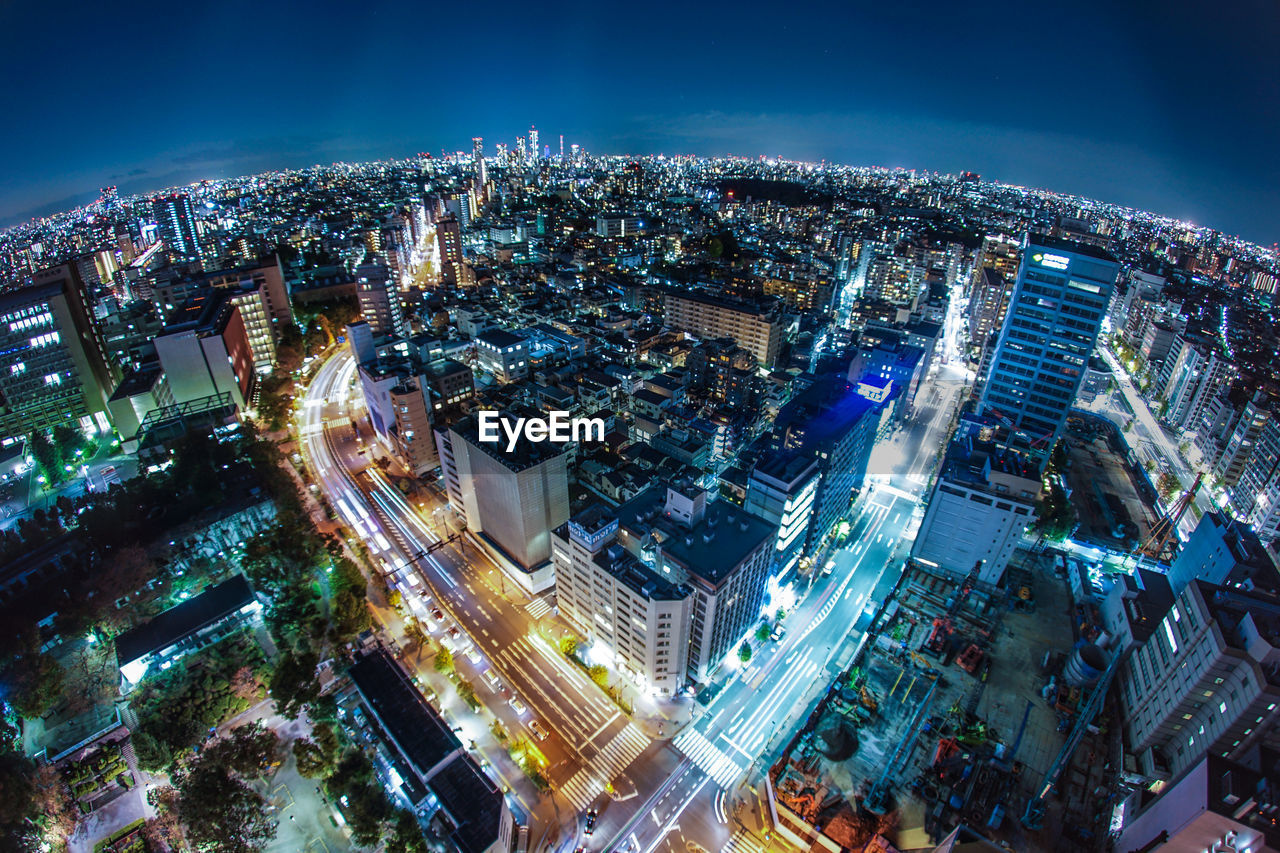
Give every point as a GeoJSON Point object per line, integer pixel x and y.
{"type": "Point", "coordinates": [1049, 332]}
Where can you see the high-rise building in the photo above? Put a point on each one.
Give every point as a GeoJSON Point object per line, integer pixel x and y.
{"type": "Point", "coordinates": [176, 221]}
{"type": "Point", "coordinates": [720, 551]}
{"type": "Point", "coordinates": [1256, 496]}
{"type": "Point", "coordinates": [511, 499]}
{"type": "Point", "coordinates": [836, 425]}
{"type": "Point", "coordinates": [1049, 332]}
{"type": "Point", "coordinates": [380, 299]}
{"type": "Point", "coordinates": [781, 490]}
{"type": "Point", "coordinates": [988, 301]}
{"type": "Point", "coordinates": [533, 142]}
{"type": "Point", "coordinates": [1218, 805]}
{"type": "Point", "coordinates": [610, 597]}
{"type": "Point", "coordinates": [1205, 682]}
{"type": "Point", "coordinates": [449, 240]}
{"type": "Point", "coordinates": [756, 327]}
{"type": "Point", "coordinates": [53, 370]}
{"type": "Point", "coordinates": [477, 162]}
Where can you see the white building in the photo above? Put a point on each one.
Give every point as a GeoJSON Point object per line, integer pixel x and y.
{"type": "Point", "coordinates": [1207, 681]}
{"type": "Point", "coordinates": [978, 511]}
{"type": "Point", "coordinates": [610, 598]}
{"type": "Point", "coordinates": [503, 355]}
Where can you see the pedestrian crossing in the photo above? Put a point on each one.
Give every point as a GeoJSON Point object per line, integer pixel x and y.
{"type": "Point", "coordinates": [538, 608]}
{"type": "Point", "coordinates": [709, 758]}
{"type": "Point", "coordinates": [743, 842]}
{"type": "Point", "coordinates": [589, 782]}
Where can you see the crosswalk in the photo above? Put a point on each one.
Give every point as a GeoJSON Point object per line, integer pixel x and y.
{"type": "Point", "coordinates": [743, 842]}
{"type": "Point", "coordinates": [709, 758]}
{"type": "Point", "coordinates": [589, 782]}
{"type": "Point", "coordinates": [538, 608]}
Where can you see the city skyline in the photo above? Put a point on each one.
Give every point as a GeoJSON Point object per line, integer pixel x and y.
{"type": "Point", "coordinates": [891, 88]}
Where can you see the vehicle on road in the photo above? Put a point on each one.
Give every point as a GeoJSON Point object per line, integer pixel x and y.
{"type": "Point", "coordinates": [473, 654]}
{"type": "Point", "coordinates": [590, 825]}
{"type": "Point", "coordinates": [492, 677]}
{"type": "Point", "coordinates": [518, 706]}
{"type": "Point", "coordinates": [831, 564]}
{"type": "Point", "coordinates": [435, 611]}
{"type": "Point", "coordinates": [539, 731]}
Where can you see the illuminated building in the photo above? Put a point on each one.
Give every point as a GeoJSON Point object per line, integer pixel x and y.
{"type": "Point", "coordinates": [52, 367]}
{"type": "Point", "coordinates": [612, 598]}
{"type": "Point", "coordinates": [1049, 332]}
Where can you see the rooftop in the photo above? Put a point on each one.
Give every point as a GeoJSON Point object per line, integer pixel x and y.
{"type": "Point", "coordinates": [179, 622]}
{"type": "Point", "coordinates": [417, 730]}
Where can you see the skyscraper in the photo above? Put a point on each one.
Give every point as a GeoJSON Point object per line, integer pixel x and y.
{"type": "Point", "coordinates": [449, 239]}
{"type": "Point", "coordinates": [1049, 332]}
{"type": "Point", "coordinates": [177, 224]}
{"type": "Point", "coordinates": [477, 161]}
{"type": "Point", "coordinates": [533, 143]}
{"type": "Point", "coordinates": [380, 299]}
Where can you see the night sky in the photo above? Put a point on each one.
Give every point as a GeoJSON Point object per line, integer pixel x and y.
{"type": "Point", "coordinates": [1173, 106]}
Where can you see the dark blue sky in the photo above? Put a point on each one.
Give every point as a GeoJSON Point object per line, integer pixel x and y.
{"type": "Point", "coordinates": [1170, 106]}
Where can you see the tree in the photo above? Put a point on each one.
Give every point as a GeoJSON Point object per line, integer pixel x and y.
{"type": "Point", "coordinates": [780, 615]}
{"type": "Point", "coordinates": [247, 751]}
{"type": "Point", "coordinates": [34, 682]}
{"type": "Point", "coordinates": [48, 461]}
{"type": "Point", "coordinates": [744, 651]}
{"type": "Point", "coordinates": [468, 694]}
{"type": "Point", "coordinates": [153, 754]}
{"type": "Point", "coordinates": [599, 674]}
{"type": "Point", "coordinates": [293, 681]}
{"type": "Point", "coordinates": [311, 759]}
{"type": "Point", "coordinates": [763, 632]}
{"type": "Point", "coordinates": [52, 802]}
{"type": "Point", "coordinates": [406, 834]}
{"type": "Point", "coordinates": [222, 814]}
{"type": "Point", "coordinates": [568, 646]}
{"type": "Point", "coordinates": [1168, 486]}
{"type": "Point", "coordinates": [444, 661]}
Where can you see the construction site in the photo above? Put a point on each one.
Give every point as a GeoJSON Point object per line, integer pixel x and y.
{"type": "Point", "coordinates": [1114, 500]}
{"type": "Point", "coordinates": [969, 707]}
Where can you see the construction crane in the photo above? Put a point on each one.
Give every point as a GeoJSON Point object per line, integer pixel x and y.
{"type": "Point", "coordinates": [1167, 526]}
{"type": "Point", "coordinates": [877, 801]}
{"type": "Point", "coordinates": [1033, 818]}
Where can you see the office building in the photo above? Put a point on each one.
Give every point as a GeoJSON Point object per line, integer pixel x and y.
{"type": "Point", "coordinates": [610, 597]}
{"type": "Point", "coordinates": [176, 222]}
{"type": "Point", "coordinates": [1049, 332]}
{"type": "Point", "coordinates": [53, 370]}
{"type": "Point", "coordinates": [1205, 683]}
{"type": "Point", "coordinates": [206, 352]}
{"type": "Point", "coordinates": [511, 500]}
{"type": "Point", "coordinates": [978, 510]}
{"type": "Point", "coordinates": [399, 413]}
{"type": "Point", "coordinates": [781, 489]}
{"type": "Point", "coordinates": [1224, 552]}
{"type": "Point", "coordinates": [756, 327]}
{"type": "Point", "coordinates": [720, 551]}
{"type": "Point", "coordinates": [503, 355]}
{"type": "Point", "coordinates": [379, 299]}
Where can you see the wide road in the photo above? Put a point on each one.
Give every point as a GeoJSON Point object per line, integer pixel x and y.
{"type": "Point", "coordinates": [591, 742]}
